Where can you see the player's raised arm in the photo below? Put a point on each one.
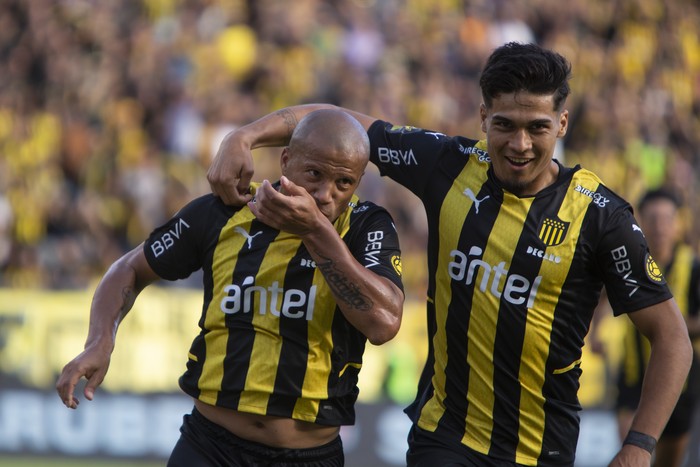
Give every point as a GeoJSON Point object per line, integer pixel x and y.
{"type": "Point", "coordinates": [232, 169]}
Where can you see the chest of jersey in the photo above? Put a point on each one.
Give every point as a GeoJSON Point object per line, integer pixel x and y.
{"type": "Point", "coordinates": [510, 251]}
{"type": "Point", "coordinates": [266, 275]}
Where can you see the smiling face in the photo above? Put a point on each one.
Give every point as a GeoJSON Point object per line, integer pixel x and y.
{"type": "Point", "coordinates": [521, 132]}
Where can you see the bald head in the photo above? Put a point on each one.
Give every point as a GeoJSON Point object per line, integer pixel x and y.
{"type": "Point", "coordinates": [327, 156]}
{"type": "Point", "coordinates": [331, 130]}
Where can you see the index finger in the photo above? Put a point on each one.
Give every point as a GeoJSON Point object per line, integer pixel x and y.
{"type": "Point", "coordinates": [243, 186]}
{"type": "Point", "coordinates": [65, 386]}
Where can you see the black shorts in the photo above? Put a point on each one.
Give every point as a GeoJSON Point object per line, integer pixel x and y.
{"type": "Point", "coordinates": [203, 443]}
{"type": "Point", "coordinates": [426, 450]}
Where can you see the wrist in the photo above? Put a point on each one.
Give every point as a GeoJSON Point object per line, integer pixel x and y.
{"type": "Point", "coordinates": [321, 233]}
{"type": "Point", "coordinates": [641, 440]}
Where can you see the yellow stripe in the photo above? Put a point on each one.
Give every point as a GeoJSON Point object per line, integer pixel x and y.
{"type": "Point", "coordinates": [350, 364]}
{"type": "Point", "coordinates": [320, 340]}
{"type": "Point", "coordinates": [452, 215]}
{"type": "Point", "coordinates": [217, 338]}
{"type": "Point", "coordinates": [318, 364]}
{"type": "Point", "coordinates": [538, 327]}
{"type": "Point", "coordinates": [481, 336]}
{"type": "Point", "coordinates": [559, 371]}
{"type": "Point", "coordinates": [267, 347]}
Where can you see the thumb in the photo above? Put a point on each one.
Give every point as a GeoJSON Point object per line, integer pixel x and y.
{"type": "Point", "coordinates": [93, 382]}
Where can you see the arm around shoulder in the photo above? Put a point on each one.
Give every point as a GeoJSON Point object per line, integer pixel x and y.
{"type": "Point", "coordinates": [232, 169]}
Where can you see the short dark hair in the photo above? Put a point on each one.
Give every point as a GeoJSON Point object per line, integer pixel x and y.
{"type": "Point", "coordinates": [515, 67]}
{"type": "Point", "coordinates": [657, 194]}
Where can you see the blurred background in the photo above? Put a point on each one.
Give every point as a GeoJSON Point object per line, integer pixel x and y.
{"type": "Point", "coordinates": [111, 112]}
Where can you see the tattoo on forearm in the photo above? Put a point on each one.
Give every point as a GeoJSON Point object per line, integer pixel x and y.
{"type": "Point", "coordinates": [289, 118]}
{"type": "Point", "coordinates": [128, 299]}
{"type": "Point", "coordinates": [342, 288]}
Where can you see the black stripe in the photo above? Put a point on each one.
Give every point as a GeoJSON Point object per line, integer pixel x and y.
{"type": "Point", "coordinates": [510, 335]}
{"type": "Point", "coordinates": [451, 166]}
{"type": "Point", "coordinates": [295, 347]}
{"type": "Point", "coordinates": [561, 422]}
{"type": "Point", "coordinates": [215, 224]}
{"type": "Point", "coordinates": [239, 347]}
{"type": "Point", "coordinates": [476, 230]}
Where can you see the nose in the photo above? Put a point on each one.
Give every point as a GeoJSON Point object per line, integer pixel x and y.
{"type": "Point", "coordinates": [323, 193]}
{"type": "Point", "coordinates": [520, 141]}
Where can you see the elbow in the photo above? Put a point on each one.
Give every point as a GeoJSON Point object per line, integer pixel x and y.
{"type": "Point", "coordinates": [684, 346]}
{"type": "Point", "coordinates": [383, 334]}
{"type": "Point", "coordinates": [386, 317]}
{"type": "Point", "coordinates": [680, 350]}
{"type": "Point", "coordinates": [385, 330]}
{"type": "Point", "coordinates": [688, 351]}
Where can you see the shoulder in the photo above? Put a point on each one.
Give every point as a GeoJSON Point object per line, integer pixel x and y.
{"type": "Point", "coordinates": [365, 210]}
{"type": "Point", "coordinates": [207, 204]}
{"type": "Point", "coordinates": [206, 213]}
{"type": "Point", "coordinates": [207, 201]}
{"type": "Point", "coordinates": [460, 144]}
{"type": "Point", "coordinates": [368, 217]}
{"type": "Point", "coordinates": [586, 183]}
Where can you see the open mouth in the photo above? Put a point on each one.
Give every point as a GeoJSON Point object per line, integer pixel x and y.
{"type": "Point", "coordinates": [519, 161]}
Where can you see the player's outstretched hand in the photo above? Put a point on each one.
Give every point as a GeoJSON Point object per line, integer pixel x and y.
{"type": "Point", "coordinates": [231, 170]}
{"type": "Point", "coordinates": [92, 363]}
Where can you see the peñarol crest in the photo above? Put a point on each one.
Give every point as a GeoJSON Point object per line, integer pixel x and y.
{"type": "Point", "coordinates": [553, 231]}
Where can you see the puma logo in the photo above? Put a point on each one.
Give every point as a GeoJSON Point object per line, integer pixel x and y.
{"type": "Point", "coordinates": [470, 194]}
{"type": "Point", "coordinates": [249, 238]}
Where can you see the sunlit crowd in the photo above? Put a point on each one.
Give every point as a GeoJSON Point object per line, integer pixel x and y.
{"type": "Point", "coordinates": [111, 112]}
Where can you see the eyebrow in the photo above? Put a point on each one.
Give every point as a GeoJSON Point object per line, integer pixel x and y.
{"type": "Point", "coordinates": [539, 121]}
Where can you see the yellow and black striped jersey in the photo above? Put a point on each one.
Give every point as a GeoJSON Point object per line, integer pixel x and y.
{"type": "Point", "coordinates": [513, 283]}
{"type": "Point", "coordinates": [272, 340]}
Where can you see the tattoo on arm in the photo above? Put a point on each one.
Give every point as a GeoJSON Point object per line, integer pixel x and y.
{"type": "Point", "coordinates": [289, 118]}
{"type": "Point", "coordinates": [342, 288]}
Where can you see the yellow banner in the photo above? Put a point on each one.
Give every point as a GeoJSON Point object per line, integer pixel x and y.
{"type": "Point", "coordinates": [40, 331]}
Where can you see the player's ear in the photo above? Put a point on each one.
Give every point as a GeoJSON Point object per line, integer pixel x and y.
{"type": "Point", "coordinates": [483, 115]}
{"type": "Point", "coordinates": [563, 123]}
{"type": "Point", "coordinates": [284, 159]}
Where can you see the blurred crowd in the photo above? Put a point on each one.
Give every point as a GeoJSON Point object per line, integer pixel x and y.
{"type": "Point", "coordinates": [111, 112]}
